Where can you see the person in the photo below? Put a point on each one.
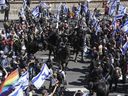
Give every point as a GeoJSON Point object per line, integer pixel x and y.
{"type": "Point", "coordinates": [28, 3]}
{"type": "Point", "coordinates": [7, 9]}
{"type": "Point", "coordinates": [45, 92]}
{"type": "Point", "coordinates": [106, 9]}
{"type": "Point", "coordinates": [3, 74]}
{"type": "Point", "coordinates": [78, 93]}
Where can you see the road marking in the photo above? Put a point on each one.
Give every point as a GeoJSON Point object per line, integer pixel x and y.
{"type": "Point", "coordinates": [76, 89]}
{"type": "Point", "coordinates": [45, 58]}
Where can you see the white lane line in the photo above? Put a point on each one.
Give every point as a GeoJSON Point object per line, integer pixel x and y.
{"type": "Point", "coordinates": [44, 57]}
{"type": "Point", "coordinates": [76, 89]}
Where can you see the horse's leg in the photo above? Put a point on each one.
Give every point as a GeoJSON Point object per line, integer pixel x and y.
{"type": "Point", "coordinates": [66, 64]}
{"type": "Point", "coordinates": [82, 55]}
{"type": "Point", "coordinates": [76, 51]}
{"type": "Point", "coordinates": [49, 55]}
{"type": "Point", "coordinates": [62, 66]}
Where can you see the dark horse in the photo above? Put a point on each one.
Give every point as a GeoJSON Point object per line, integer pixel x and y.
{"type": "Point", "coordinates": [62, 55]}
{"type": "Point", "coordinates": [78, 42]}
{"type": "Point", "coordinates": [31, 44]}
{"type": "Point", "coordinates": [97, 83]}
{"type": "Point", "coordinates": [53, 39]}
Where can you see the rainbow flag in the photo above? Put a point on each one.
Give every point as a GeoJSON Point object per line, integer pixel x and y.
{"type": "Point", "coordinates": [9, 81]}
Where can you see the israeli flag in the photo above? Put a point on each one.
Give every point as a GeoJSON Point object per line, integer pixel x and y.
{"type": "Point", "coordinates": [98, 28]}
{"type": "Point", "coordinates": [114, 23]}
{"type": "Point", "coordinates": [17, 92]}
{"type": "Point", "coordinates": [91, 15]}
{"type": "Point", "coordinates": [113, 1]}
{"type": "Point", "coordinates": [120, 16]}
{"type": "Point", "coordinates": [124, 48]}
{"type": "Point", "coordinates": [113, 7]}
{"type": "Point", "coordinates": [23, 80]}
{"type": "Point", "coordinates": [85, 8]}
{"type": "Point", "coordinates": [22, 13]}
{"type": "Point", "coordinates": [94, 21]}
{"type": "Point", "coordinates": [35, 11]}
{"type": "Point", "coordinates": [122, 9]}
{"type": "Point", "coordinates": [2, 2]}
{"type": "Point", "coordinates": [58, 8]}
{"type": "Point", "coordinates": [39, 80]}
{"type": "Point", "coordinates": [65, 10]}
{"type": "Point", "coordinates": [44, 5]}
{"type": "Point", "coordinates": [79, 9]}
{"type": "Point", "coordinates": [24, 3]}
{"type": "Point", "coordinates": [112, 11]}
{"type": "Point", "coordinates": [76, 13]}
{"type": "Point", "coordinates": [124, 27]}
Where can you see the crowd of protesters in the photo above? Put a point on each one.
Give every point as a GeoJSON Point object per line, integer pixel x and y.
{"type": "Point", "coordinates": [19, 41]}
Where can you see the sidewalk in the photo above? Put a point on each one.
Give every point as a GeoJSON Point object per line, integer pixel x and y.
{"type": "Point", "coordinates": [11, 17]}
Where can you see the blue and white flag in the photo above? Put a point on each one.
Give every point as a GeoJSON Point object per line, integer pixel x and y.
{"type": "Point", "coordinates": [98, 28]}
{"type": "Point", "coordinates": [119, 16]}
{"type": "Point", "coordinates": [65, 10]}
{"type": "Point", "coordinates": [124, 48]}
{"type": "Point", "coordinates": [113, 7]}
{"type": "Point", "coordinates": [39, 80]}
{"type": "Point", "coordinates": [23, 80]}
{"type": "Point", "coordinates": [24, 4]}
{"type": "Point", "coordinates": [44, 5]}
{"type": "Point", "coordinates": [94, 21]}
{"type": "Point", "coordinates": [58, 8]}
{"type": "Point", "coordinates": [22, 13]}
{"type": "Point", "coordinates": [35, 11]}
{"type": "Point", "coordinates": [122, 9]}
{"type": "Point", "coordinates": [111, 1]}
{"type": "Point", "coordinates": [79, 8]}
{"type": "Point", "coordinates": [124, 27]}
{"type": "Point", "coordinates": [86, 8]}
{"type": "Point", "coordinates": [114, 23]}
{"type": "Point", "coordinates": [2, 2]}
{"type": "Point", "coordinates": [17, 92]}
{"type": "Point", "coordinates": [112, 11]}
